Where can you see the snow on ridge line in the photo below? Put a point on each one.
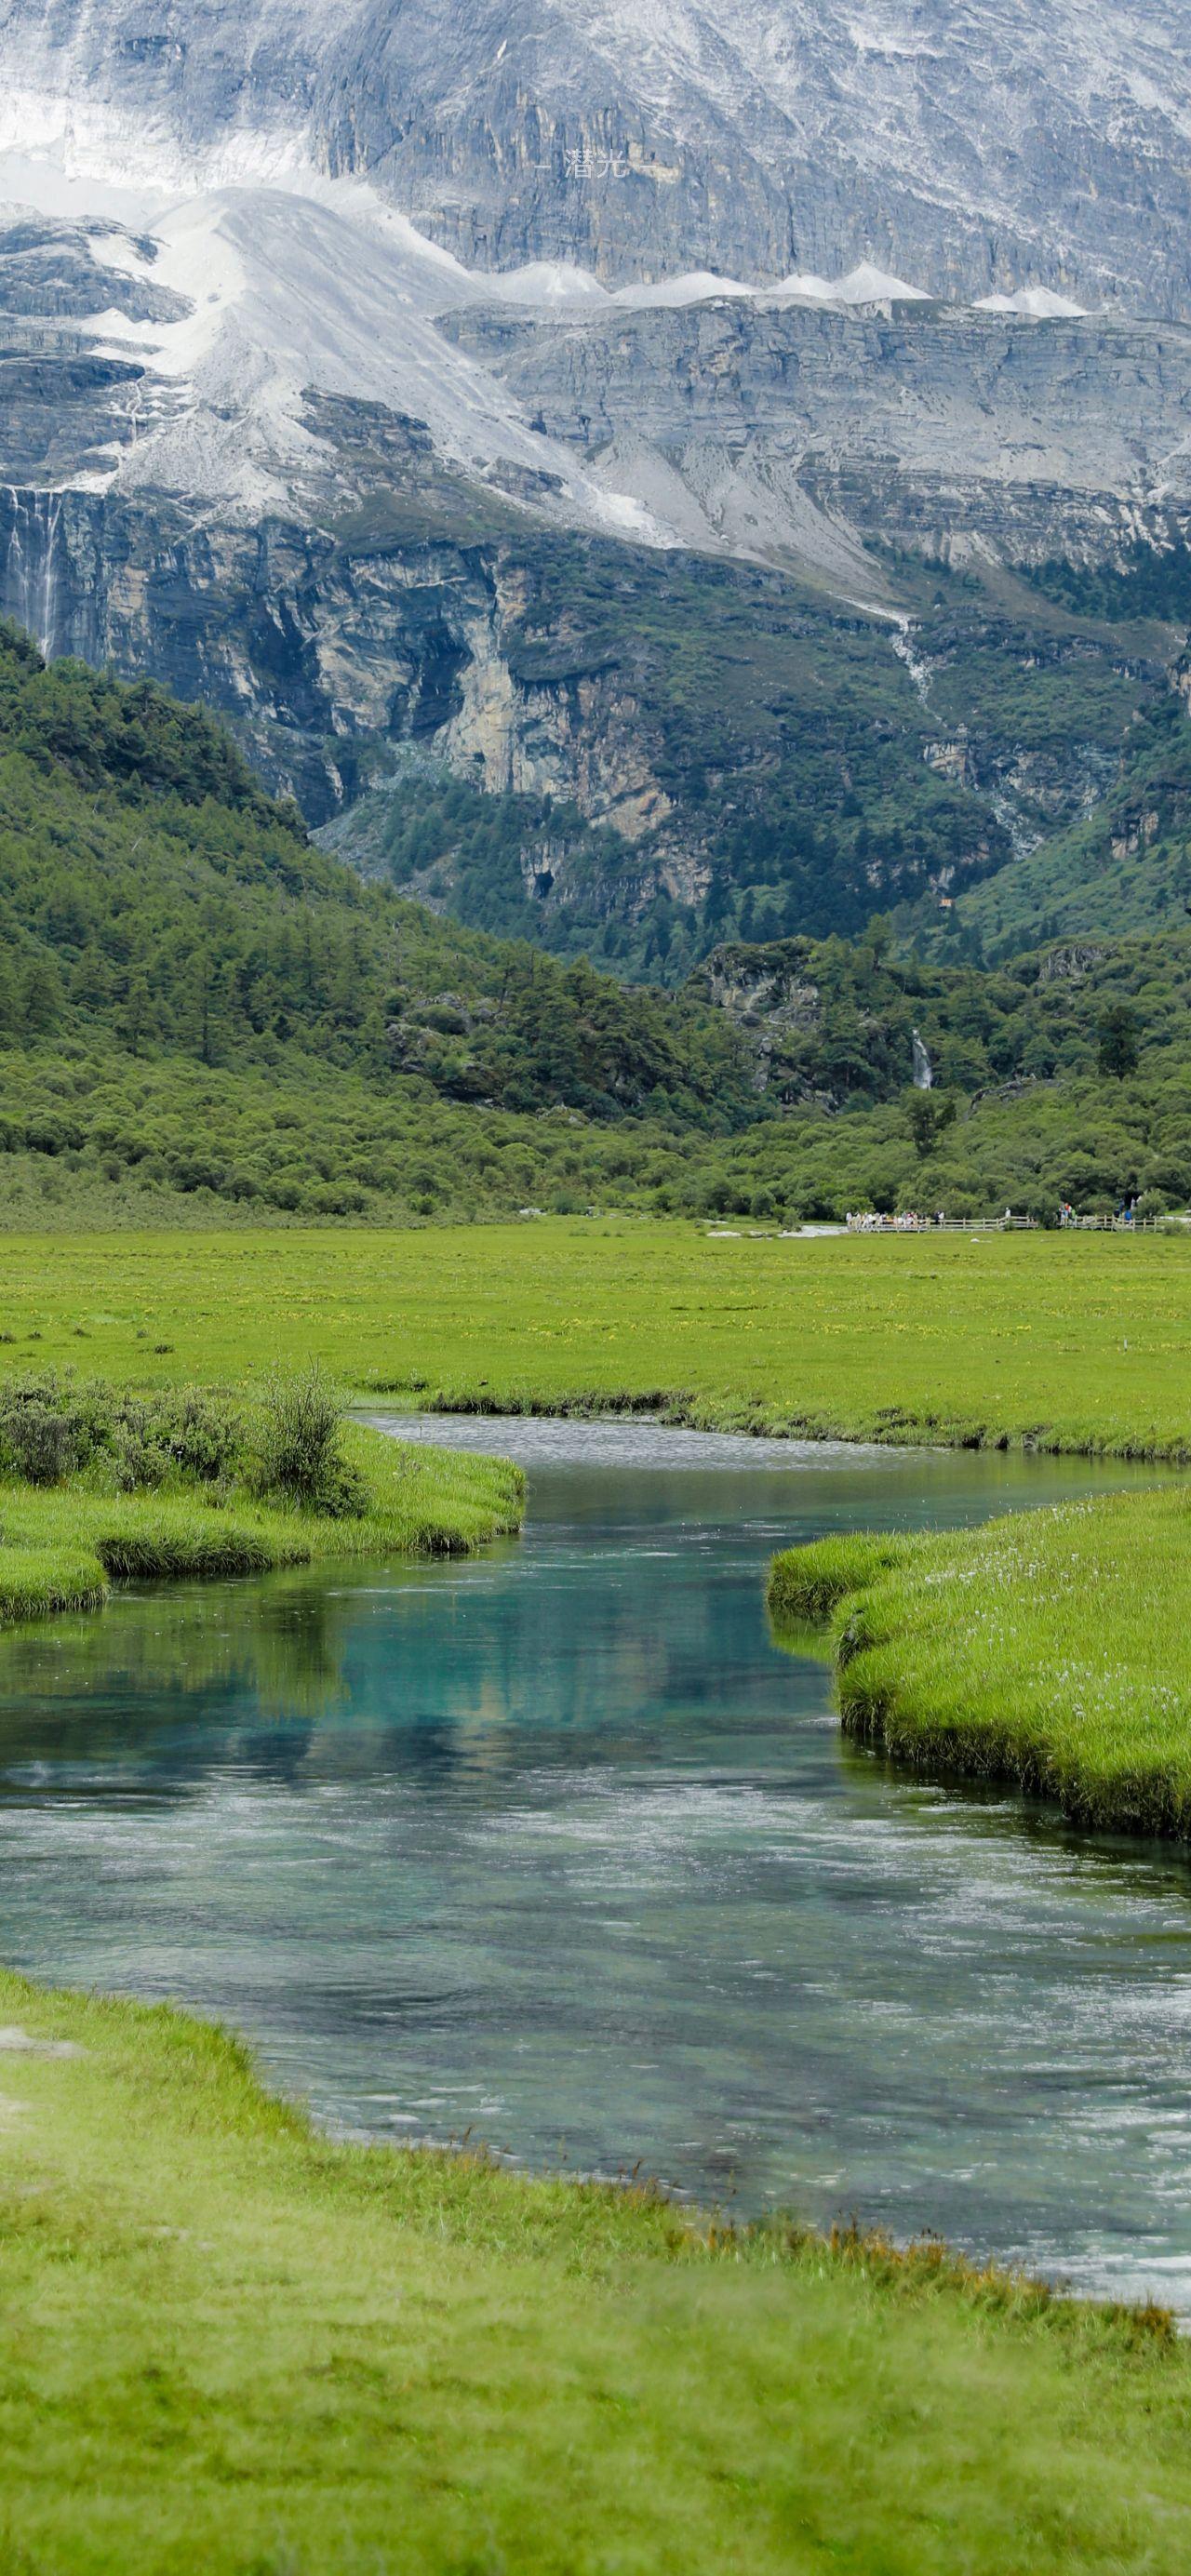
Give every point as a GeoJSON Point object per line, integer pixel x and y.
{"type": "Point", "coordinates": [864, 284]}
{"type": "Point", "coordinates": [544, 281]}
{"type": "Point", "coordinates": [554, 282]}
{"type": "Point", "coordinates": [1038, 303]}
{"type": "Point", "coordinates": [694, 286]}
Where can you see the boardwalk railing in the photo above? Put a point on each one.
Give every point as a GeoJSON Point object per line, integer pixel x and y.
{"type": "Point", "coordinates": [940, 1224]}
{"type": "Point", "coordinates": [873, 1224]}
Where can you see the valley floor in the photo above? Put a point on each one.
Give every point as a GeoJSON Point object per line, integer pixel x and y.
{"type": "Point", "coordinates": [234, 2343]}
{"type": "Point", "coordinates": [1068, 1342]}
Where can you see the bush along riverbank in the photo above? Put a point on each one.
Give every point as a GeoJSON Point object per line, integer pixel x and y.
{"type": "Point", "coordinates": [236, 2344]}
{"type": "Point", "coordinates": [97, 1485]}
{"type": "Point", "coordinates": [1051, 1648]}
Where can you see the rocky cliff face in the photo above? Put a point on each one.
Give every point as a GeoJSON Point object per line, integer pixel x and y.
{"type": "Point", "coordinates": [918, 425]}
{"type": "Point", "coordinates": [993, 146]}
{"type": "Point", "coordinates": [331, 654]}
{"type": "Point", "coordinates": [273, 427]}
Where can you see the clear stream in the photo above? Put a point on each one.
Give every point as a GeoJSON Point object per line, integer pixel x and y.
{"type": "Point", "coordinates": [557, 1848]}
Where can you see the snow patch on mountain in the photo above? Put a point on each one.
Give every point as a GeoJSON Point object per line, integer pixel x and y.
{"type": "Point", "coordinates": [695, 286]}
{"type": "Point", "coordinates": [864, 284]}
{"type": "Point", "coordinates": [320, 287]}
{"type": "Point", "coordinates": [1037, 303]}
{"type": "Point", "coordinates": [545, 281]}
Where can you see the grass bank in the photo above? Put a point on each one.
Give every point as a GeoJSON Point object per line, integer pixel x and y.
{"type": "Point", "coordinates": [62, 1547]}
{"type": "Point", "coordinates": [1076, 1343]}
{"type": "Point", "coordinates": [1051, 1648]}
{"type": "Point", "coordinates": [233, 2343]}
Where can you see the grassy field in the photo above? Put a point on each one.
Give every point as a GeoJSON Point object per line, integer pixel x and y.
{"type": "Point", "coordinates": [1077, 1342]}
{"type": "Point", "coordinates": [62, 1547]}
{"type": "Point", "coordinates": [233, 2344]}
{"type": "Point", "coordinates": [1052, 1648]}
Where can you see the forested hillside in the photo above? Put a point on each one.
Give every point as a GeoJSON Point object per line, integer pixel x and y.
{"type": "Point", "coordinates": [202, 1013]}
{"type": "Point", "coordinates": [834, 1020]}
{"type": "Point", "coordinates": [150, 891]}
{"type": "Point", "coordinates": [1124, 866]}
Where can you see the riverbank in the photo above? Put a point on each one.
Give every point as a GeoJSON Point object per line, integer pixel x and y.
{"type": "Point", "coordinates": [1069, 1343]}
{"type": "Point", "coordinates": [1049, 1649]}
{"type": "Point", "coordinates": [63, 1546]}
{"type": "Point", "coordinates": [236, 2343]}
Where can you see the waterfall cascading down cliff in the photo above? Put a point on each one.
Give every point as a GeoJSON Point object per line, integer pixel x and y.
{"type": "Point", "coordinates": [31, 553]}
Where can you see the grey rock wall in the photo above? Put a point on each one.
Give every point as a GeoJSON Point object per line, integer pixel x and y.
{"type": "Point", "coordinates": [918, 419]}
{"type": "Point", "coordinates": [998, 144]}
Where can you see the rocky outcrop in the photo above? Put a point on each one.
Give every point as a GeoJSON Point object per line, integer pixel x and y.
{"type": "Point", "coordinates": [1069, 963]}
{"type": "Point", "coordinates": [948, 432]}
{"type": "Point", "coordinates": [328, 656]}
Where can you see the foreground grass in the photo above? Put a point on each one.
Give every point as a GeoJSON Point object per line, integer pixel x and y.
{"type": "Point", "coordinates": [1052, 1648]}
{"type": "Point", "coordinates": [233, 2344]}
{"type": "Point", "coordinates": [1079, 1343]}
{"type": "Point", "coordinates": [61, 1548]}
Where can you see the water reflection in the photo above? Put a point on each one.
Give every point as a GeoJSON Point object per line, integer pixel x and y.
{"type": "Point", "coordinates": [559, 1845]}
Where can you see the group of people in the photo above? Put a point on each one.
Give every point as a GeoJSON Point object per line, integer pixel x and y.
{"type": "Point", "coordinates": [867, 1221]}
{"type": "Point", "coordinates": [1125, 1214]}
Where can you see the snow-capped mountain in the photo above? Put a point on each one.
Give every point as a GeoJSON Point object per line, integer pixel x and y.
{"type": "Point", "coordinates": [321, 325]}
{"type": "Point", "coordinates": [993, 148]}
{"type": "Point", "coordinates": [511, 226]}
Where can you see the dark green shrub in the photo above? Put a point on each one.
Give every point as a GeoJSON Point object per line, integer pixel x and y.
{"type": "Point", "coordinates": [51, 1427]}
{"type": "Point", "coordinates": [37, 1442]}
{"type": "Point", "coordinates": [201, 1436]}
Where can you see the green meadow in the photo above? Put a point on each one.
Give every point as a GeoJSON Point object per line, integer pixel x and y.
{"type": "Point", "coordinates": [233, 2344]}
{"type": "Point", "coordinates": [1051, 1648]}
{"type": "Point", "coordinates": [1077, 1342]}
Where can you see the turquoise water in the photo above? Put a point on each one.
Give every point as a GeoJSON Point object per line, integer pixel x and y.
{"type": "Point", "coordinates": [556, 1848]}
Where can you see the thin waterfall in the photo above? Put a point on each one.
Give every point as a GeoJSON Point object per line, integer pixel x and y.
{"type": "Point", "coordinates": [923, 1069]}
{"type": "Point", "coordinates": [15, 574]}
{"type": "Point", "coordinates": [47, 626]}
{"type": "Point", "coordinates": [32, 584]}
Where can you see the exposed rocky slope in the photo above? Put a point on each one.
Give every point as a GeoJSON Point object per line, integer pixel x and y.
{"type": "Point", "coordinates": [654, 553]}
{"type": "Point", "coordinates": [770, 425]}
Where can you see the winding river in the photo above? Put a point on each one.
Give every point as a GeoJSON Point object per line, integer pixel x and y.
{"type": "Point", "coordinates": [556, 1848]}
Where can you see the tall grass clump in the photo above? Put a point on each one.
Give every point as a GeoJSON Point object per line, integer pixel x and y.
{"type": "Point", "coordinates": [299, 1455]}
{"type": "Point", "coordinates": [1049, 1648]}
